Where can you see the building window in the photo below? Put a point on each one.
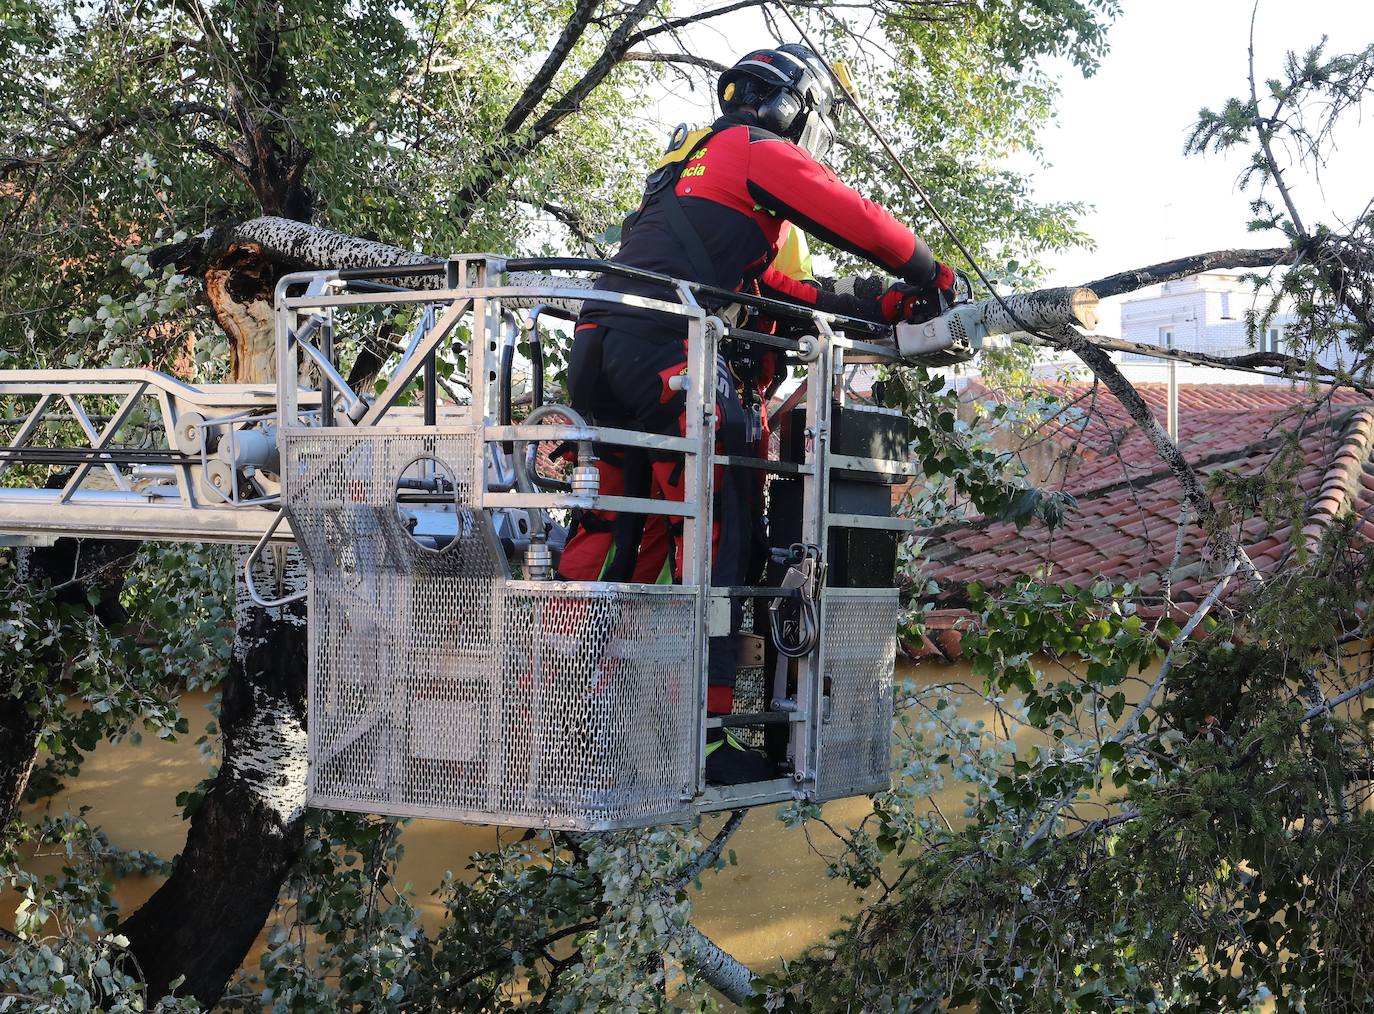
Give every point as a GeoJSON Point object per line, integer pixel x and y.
{"type": "Point", "coordinates": [1166, 337]}
{"type": "Point", "coordinates": [1225, 306]}
{"type": "Point", "coordinates": [1273, 339]}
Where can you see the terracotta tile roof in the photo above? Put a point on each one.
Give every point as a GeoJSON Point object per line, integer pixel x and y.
{"type": "Point", "coordinates": [1126, 521]}
{"type": "Point", "coordinates": [1106, 445]}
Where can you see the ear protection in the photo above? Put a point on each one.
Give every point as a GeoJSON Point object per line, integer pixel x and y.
{"type": "Point", "coordinates": [779, 111]}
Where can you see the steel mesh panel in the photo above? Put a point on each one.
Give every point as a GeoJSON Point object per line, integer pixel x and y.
{"type": "Point", "coordinates": [437, 690]}
{"type": "Point", "coordinates": [752, 685]}
{"type": "Point", "coordinates": [859, 649]}
{"type": "Point", "coordinates": [599, 706]}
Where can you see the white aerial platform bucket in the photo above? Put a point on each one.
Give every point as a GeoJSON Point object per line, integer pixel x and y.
{"type": "Point", "coordinates": [442, 686]}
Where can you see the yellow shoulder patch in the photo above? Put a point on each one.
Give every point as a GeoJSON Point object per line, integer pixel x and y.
{"type": "Point", "coordinates": [684, 142]}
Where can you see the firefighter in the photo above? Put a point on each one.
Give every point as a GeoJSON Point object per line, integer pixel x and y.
{"type": "Point", "coordinates": [717, 213]}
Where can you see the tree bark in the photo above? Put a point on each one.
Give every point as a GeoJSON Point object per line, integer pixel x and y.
{"type": "Point", "coordinates": [730, 977]}
{"type": "Point", "coordinates": [1182, 267]}
{"type": "Point", "coordinates": [289, 246]}
{"type": "Point", "coordinates": [248, 830]}
{"type": "Point", "coordinates": [239, 287]}
{"type": "Point", "coordinates": [1043, 308]}
{"type": "Point", "coordinates": [227, 254]}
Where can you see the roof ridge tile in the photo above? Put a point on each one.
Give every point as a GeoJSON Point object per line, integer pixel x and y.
{"type": "Point", "coordinates": [1342, 476]}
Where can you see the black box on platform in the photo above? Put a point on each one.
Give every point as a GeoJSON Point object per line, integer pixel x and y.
{"type": "Point", "coordinates": [858, 557]}
{"type": "Point", "coordinates": [862, 431]}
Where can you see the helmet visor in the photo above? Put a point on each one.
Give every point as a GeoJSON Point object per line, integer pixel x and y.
{"type": "Point", "coordinates": [817, 135]}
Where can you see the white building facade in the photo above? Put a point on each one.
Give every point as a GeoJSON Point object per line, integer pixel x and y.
{"type": "Point", "coordinates": [1204, 313]}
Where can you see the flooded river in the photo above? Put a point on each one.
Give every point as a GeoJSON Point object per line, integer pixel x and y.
{"type": "Point", "coordinates": [769, 907]}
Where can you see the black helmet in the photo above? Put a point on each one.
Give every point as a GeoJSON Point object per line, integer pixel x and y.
{"type": "Point", "coordinates": [790, 89]}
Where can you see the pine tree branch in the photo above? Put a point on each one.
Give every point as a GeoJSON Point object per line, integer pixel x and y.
{"type": "Point", "coordinates": [1264, 130]}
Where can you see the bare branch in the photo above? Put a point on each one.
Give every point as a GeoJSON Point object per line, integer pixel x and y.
{"type": "Point", "coordinates": [1280, 364]}
{"type": "Point", "coordinates": [672, 24]}
{"type": "Point", "coordinates": [1326, 706]}
{"type": "Point", "coordinates": [1097, 360]}
{"type": "Point", "coordinates": [1182, 267]}
{"type": "Point", "coordinates": [687, 58]}
{"type": "Point", "coordinates": [513, 150]}
{"type": "Point", "coordinates": [543, 77]}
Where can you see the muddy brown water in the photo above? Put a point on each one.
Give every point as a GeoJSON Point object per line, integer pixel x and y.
{"type": "Point", "coordinates": [769, 907]}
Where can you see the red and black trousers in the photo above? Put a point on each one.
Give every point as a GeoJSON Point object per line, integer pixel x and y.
{"type": "Point", "coordinates": [621, 378]}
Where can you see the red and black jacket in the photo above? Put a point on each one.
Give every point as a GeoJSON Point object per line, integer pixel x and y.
{"type": "Point", "coordinates": [736, 191]}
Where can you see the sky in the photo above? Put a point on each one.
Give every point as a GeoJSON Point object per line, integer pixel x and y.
{"type": "Point", "coordinates": [1119, 136]}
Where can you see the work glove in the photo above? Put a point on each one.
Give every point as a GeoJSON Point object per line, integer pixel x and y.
{"type": "Point", "coordinates": [903, 303]}
{"type": "Point", "coordinates": [945, 281]}
{"type": "Point", "coordinates": [912, 304]}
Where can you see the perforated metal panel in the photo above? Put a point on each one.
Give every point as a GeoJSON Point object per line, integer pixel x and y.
{"type": "Point", "coordinates": [859, 650]}
{"type": "Point", "coordinates": [439, 688]}
{"type": "Point", "coordinates": [601, 707]}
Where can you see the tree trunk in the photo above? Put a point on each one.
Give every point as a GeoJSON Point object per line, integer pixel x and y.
{"type": "Point", "coordinates": [248, 830]}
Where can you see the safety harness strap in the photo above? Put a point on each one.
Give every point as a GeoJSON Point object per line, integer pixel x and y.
{"type": "Point", "coordinates": [662, 187]}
